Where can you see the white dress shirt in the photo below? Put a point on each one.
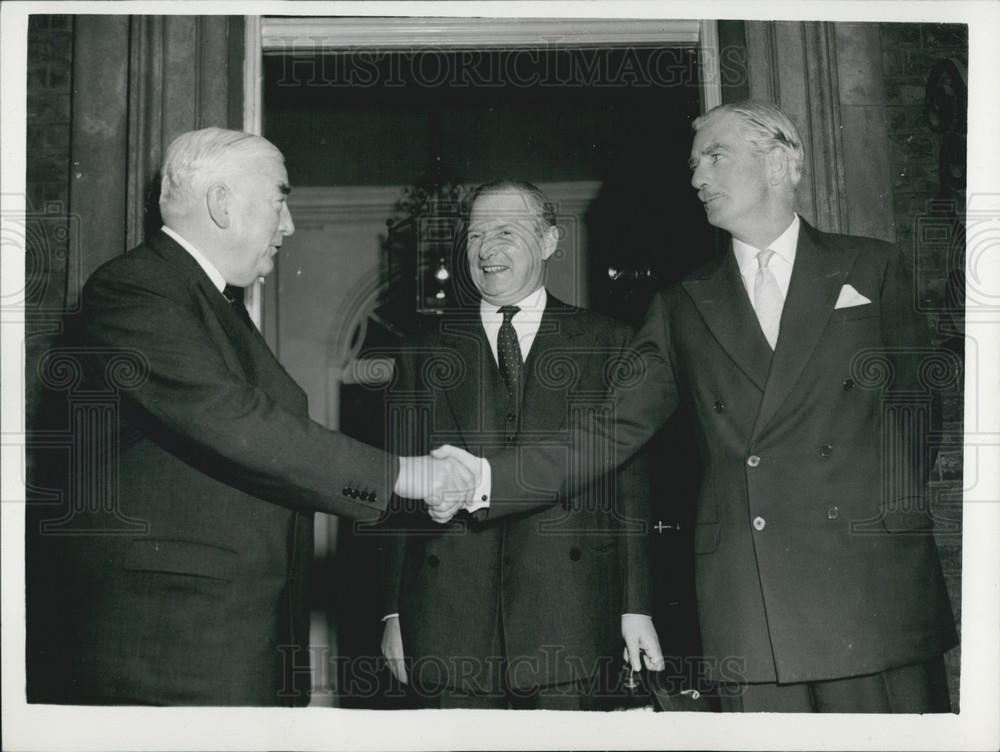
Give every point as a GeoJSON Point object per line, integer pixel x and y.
{"type": "Point", "coordinates": [525, 322]}
{"type": "Point", "coordinates": [213, 274]}
{"type": "Point", "coordinates": [781, 262]}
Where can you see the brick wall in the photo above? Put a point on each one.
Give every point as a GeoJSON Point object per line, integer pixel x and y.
{"type": "Point", "coordinates": [928, 211]}
{"type": "Point", "coordinates": [47, 227]}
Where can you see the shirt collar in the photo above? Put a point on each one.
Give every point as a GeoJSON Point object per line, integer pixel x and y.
{"type": "Point", "coordinates": [207, 266]}
{"type": "Point", "coordinates": [530, 304]}
{"type": "Point", "coordinates": [783, 246]}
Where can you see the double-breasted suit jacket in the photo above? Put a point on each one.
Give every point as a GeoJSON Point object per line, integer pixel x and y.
{"type": "Point", "coordinates": [542, 589]}
{"type": "Point", "coordinates": [193, 590]}
{"type": "Point", "coordinates": [814, 552]}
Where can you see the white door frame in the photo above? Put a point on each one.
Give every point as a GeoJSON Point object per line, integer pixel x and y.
{"type": "Point", "coordinates": [315, 34]}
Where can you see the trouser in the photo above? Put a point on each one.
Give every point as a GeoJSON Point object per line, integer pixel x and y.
{"type": "Point", "coordinates": [917, 688]}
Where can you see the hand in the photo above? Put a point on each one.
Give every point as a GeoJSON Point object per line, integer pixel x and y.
{"type": "Point", "coordinates": [392, 649]}
{"type": "Point", "coordinates": [641, 640]}
{"type": "Point", "coordinates": [443, 506]}
{"type": "Point", "coordinates": [443, 480]}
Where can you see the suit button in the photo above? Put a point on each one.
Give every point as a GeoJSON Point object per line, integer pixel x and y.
{"type": "Point", "coordinates": [511, 417]}
{"type": "Point", "coordinates": [826, 450]}
{"type": "Point", "coordinates": [433, 561]}
{"type": "Point", "coordinates": [848, 384]}
{"type": "Point", "coordinates": [574, 554]}
{"type": "Point", "coordinates": [719, 406]}
{"type": "Point", "coordinates": [346, 490]}
{"type": "Point", "coordinates": [753, 460]}
{"type": "Point", "coordinates": [832, 513]}
{"type": "Point", "coordinates": [759, 523]}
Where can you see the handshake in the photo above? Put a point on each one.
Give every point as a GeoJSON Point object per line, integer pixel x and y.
{"type": "Point", "coordinates": [447, 480]}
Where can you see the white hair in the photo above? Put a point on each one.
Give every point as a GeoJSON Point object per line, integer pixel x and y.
{"type": "Point", "coordinates": [766, 127]}
{"type": "Point", "coordinates": [196, 159]}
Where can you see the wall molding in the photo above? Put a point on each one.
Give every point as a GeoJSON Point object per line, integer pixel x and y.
{"type": "Point", "coordinates": [299, 35]}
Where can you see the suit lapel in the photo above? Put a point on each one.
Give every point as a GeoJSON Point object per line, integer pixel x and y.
{"type": "Point", "coordinates": [817, 276]}
{"type": "Point", "coordinates": [248, 345]}
{"type": "Point", "coordinates": [544, 406]}
{"type": "Point", "coordinates": [179, 258]}
{"type": "Point", "coordinates": [722, 301]}
{"type": "Point", "coordinates": [467, 340]}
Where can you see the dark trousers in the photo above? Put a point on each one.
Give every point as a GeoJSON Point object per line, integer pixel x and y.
{"type": "Point", "coordinates": [917, 688]}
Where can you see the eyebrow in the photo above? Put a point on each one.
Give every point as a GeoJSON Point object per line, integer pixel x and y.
{"type": "Point", "coordinates": [715, 146]}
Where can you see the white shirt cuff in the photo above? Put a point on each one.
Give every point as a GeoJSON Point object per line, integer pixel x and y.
{"type": "Point", "coordinates": [390, 616]}
{"type": "Point", "coordinates": [481, 498]}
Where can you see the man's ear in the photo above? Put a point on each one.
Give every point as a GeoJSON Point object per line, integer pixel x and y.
{"type": "Point", "coordinates": [550, 240]}
{"type": "Point", "coordinates": [778, 166]}
{"type": "Point", "coordinates": [217, 199]}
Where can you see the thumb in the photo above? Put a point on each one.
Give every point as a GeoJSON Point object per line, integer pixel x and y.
{"type": "Point", "coordinates": [633, 657]}
{"type": "Point", "coordinates": [653, 653]}
{"type": "Point", "coordinates": [444, 451]}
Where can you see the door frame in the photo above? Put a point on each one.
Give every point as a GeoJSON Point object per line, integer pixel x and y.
{"type": "Point", "coordinates": [265, 34]}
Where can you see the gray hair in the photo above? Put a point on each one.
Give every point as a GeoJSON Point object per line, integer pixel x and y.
{"type": "Point", "coordinates": [194, 160]}
{"type": "Point", "coordinates": [538, 202]}
{"type": "Point", "coordinates": [766, 127]}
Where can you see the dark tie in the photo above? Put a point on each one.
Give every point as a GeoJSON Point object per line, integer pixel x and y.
{"type": "Point", "coordinates": [235, 297]}
{"type": "Point", "coordinates": [509, 351]}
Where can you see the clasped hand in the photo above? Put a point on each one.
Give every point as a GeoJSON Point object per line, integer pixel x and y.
{"type": "Point", "coordinates": [446, 479]}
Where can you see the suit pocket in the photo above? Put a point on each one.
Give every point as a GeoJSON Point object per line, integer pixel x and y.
{"type": "Point", "coordinates": [865, 311]}
{"type": "Point", "coordinates": [181, 557]}
{"type": "Point", "coordinates": [706, 537]}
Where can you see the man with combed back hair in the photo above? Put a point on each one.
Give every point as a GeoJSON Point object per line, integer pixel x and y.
{"type": "Point", "coordinates": [800, 355]}
{"type": "Point", "coordinates": [524, 611]}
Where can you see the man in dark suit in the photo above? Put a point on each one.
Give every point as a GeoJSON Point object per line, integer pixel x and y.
{"type": "Point", "coordinates": [528, 611]}
{"type": "Point", "coordinates": [800, 355]}
{"type": "Point", "coordinates": [190, 540]}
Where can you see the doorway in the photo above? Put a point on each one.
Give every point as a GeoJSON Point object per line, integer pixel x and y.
{"type": "Point", "coordinates": [601, 122]}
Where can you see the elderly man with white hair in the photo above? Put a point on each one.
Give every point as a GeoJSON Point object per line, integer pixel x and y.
{"type": "Point", "coordinates": [188, 567]}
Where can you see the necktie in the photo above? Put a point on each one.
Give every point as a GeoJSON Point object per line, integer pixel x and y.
{"type": "Point", "coordinates": [767, 298]}
{"type": "Point", "coordinates": [235, 297]}
{"type": "Point", "coordinates": [509, 351]}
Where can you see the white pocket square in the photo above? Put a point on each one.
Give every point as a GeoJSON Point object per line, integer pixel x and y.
{"type": "Point", "coordinates": [849, 298]}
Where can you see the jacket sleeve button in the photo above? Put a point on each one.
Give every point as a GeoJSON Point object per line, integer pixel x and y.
{"type": "Point", "coordinates": [848, 384]}
{"type": "Point", "coordinates": [574, 554]}
{"type": "Point", "coordinates": [826, 450]}
{"type": "Point", "coordinates": [719, 406]}
{"type": "Point", "coordinates": [832, 513]}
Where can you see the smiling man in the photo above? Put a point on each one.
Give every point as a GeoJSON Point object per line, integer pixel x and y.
{"type": "Point", "coordinates": [191, 526]}
{"type": "Point", "coordinates": [504, 609]}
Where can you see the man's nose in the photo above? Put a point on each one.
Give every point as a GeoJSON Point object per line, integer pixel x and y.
{"type": "Point", "coordinates": [698, 178]}
{"type": "Point", "coordinates": [287, 226]}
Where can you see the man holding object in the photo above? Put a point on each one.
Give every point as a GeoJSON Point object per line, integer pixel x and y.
{"type": "Point", "coordinates": [526, 611]}
{"type": "Point", "coordinates": [803, 361]}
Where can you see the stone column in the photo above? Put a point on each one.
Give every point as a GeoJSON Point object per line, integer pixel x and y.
{"type": "Point", "coordinates": [827, 77]}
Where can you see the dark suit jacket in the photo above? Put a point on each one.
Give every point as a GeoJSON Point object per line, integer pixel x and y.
{"type": "Point", "coordinates": [825, 443]}
{"type": "Point", "coordinates": [191, 537]}
{"type": "Point", "coordinates": [545, 589]}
